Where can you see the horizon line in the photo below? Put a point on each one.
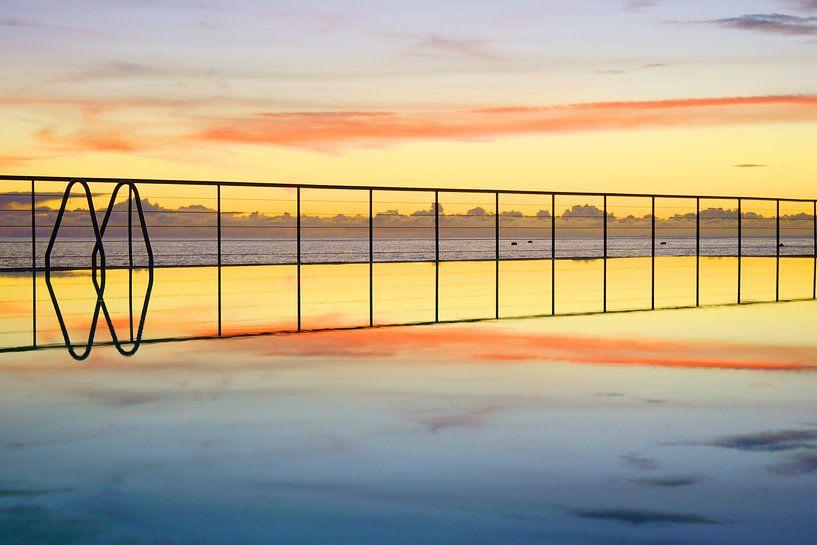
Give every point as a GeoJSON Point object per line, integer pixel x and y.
{"type": "Point", "coordinates": [367, 187]}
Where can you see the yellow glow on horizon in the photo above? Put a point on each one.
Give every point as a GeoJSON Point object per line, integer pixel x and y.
{"type": "Point", "coordinates": [671, 160]}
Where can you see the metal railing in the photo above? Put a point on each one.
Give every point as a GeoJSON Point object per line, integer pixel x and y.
{"type": "Point", "coordinates": [549, 221]}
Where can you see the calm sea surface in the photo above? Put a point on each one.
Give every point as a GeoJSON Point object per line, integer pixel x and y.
{"type": "Point", "coordinates": [186, 252]}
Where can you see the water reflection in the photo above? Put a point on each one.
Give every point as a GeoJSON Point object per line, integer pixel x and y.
{"type": "Point", "coordinates": [678, 426]}
{"type": "Point", "coordinates": [153, 304]}
{"type": "Point", "coordinates": [532, 431]}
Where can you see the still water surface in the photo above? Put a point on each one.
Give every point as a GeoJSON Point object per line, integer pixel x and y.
{"type": "Point", "coordinates": [676, 426]}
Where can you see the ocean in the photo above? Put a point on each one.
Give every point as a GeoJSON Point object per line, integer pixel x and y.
{"type": "Point", "coordinates": [17, 252]}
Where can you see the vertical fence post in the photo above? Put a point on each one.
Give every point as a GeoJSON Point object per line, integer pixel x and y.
{"type": "Point", "coordinates": [371, 262]}
{"type": "Point", "coordinates": [604, 291]}
{"type": "Point", "coordinates": [697, 251]}
{"type": "Point", "coordinates": [777, 254]}
{"type": "Point", "coordinates": [33, 266]}
{"type": "Point", "coordinates": [218, 221]}
{"type": "Point", "coordinates": [130, 259]}
{"type": "Point", "coordinates": [814, 226]}
{"type": "Point", "coordinates": [652, 258]}
{"type": "Point", "coordinates": [553, 254]}
{"type": "Point", "coordinates": [298, 249]}
{"type": "Point", "coordinates": [740, 246]}
{"type": "Point", "coordinates": [496, 215]}
{"type": "Point", "coordinates": [436, 256]}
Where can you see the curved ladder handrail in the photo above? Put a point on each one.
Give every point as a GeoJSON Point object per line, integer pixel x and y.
{"type": "Point", "coordinates": [137, 341]}
{"type": "Point", "coordinates": [99, 286]}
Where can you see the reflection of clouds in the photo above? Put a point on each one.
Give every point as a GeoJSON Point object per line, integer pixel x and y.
{"type": "Point", "coordinates": [470, 344]}
{"type": "Point", "coordinates": [786, 440]}
{"type": "Point", "coordinates": [496, 345]}
{"type": "Point", "coordinates": [300, 436]}
{"type": "Point", "coordinates": [295, 446]}
{"type": "Point", "coordinates": [651, 400]}
{"type": "Point", "coordinates": [32, 492]}
{"type": "Point", "coordinates": [125, 398]}
{"type": "Point", "coordinates": [637, 461]}
{"type": "Point", "coordinates": [29, 443]}
{"type": "Point", "coordinates": [654, 401]}
{"type": "Point", "coordinates": [767, 441]}
{"type": "Point", "coordinates": [638, 517]}
{"type": "Point", "coordinates": [801, 463]}
{"type": "Point", "coordinates": [347, 490]}
{"type": "Point", "coordinates": [446, 419]}
{"type": "Point", "coordinates": [120, 399]}
{"type": "Point", "coordinates": [672, 481]}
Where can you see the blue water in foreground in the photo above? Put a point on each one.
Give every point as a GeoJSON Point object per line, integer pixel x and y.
{"type": "Point", "coordinates": [424, 435]}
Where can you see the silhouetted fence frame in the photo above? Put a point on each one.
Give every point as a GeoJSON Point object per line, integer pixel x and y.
{"type": "Point", "coordinates": [437, 192]}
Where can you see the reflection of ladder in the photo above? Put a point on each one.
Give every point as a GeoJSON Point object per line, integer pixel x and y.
{"type": "Point", "coordinates": [98, 280]}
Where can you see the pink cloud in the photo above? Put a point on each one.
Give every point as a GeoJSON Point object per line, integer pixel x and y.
{"type": "Point", "coordinates": [338, 129]}
{"type": "Point", "coordinates": [183, 124]}
{"type": "Point", "coordinates": [90, 140]}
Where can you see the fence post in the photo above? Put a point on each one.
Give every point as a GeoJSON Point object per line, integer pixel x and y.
{"type": "Point", "coordinates": [814, 220]}
{"type": "Point", "coordinates": [652, 258]}
{"type": "Point", "coordinates": [740, 246]}
{"type": "Point", "coordinates": [604, 305]}
{"type": "Point", "coordinates": [553, 254]}
{"type": "Point", "coordinates": [371, 263]}
{"type": "Point", "coordinates": [218, 209]}
{"type": "Point", "coordinates": [697, 251]}
{"type": "Point", "coordinates": [496, 216]}
{"type": "Point", "coordinates": [777, 254]}
{"type": "Point", "coordinates": [436, 256]}
{"type": "Point", "coordinates": [298, 249]}
{"type": "Point", "coordinates": [130, 258]}
{"type": "Point", "coordinates": [33, 267]}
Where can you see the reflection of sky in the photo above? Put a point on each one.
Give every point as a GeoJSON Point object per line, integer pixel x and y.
{"type": "Point", "coordinates": [402, 436]}
{"type": "Point", "coordinates": [184, 301]}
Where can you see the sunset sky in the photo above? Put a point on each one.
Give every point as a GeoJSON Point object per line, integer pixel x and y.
{"type": "Point", "coordinates": [588, 95]}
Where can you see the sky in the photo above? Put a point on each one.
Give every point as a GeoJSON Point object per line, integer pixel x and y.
{"type": "Point", "coordinates": [593, 95]}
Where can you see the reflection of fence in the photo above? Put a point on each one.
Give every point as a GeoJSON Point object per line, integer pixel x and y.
{"type": "Point", "coordinates": [447, 225]}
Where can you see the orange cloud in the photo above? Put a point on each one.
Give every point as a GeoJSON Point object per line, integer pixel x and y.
{"type": "Point", "coordinates": [88, 139]}
{"type": "Point", "coordinates": [768, 100]}
{"type": "Point", "coordinates": [175, 124]}
{"type": "Point", "coordinates": [323, 129]}
{"type": "Point", "coordinates": [13, 160]}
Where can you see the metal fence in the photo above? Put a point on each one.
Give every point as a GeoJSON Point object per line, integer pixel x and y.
{"type": "Point", "coordinates": [503, 225]}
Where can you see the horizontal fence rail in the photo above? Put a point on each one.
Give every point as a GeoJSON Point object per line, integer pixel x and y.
{"type": "Point", "coordinates": [49, 233]}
